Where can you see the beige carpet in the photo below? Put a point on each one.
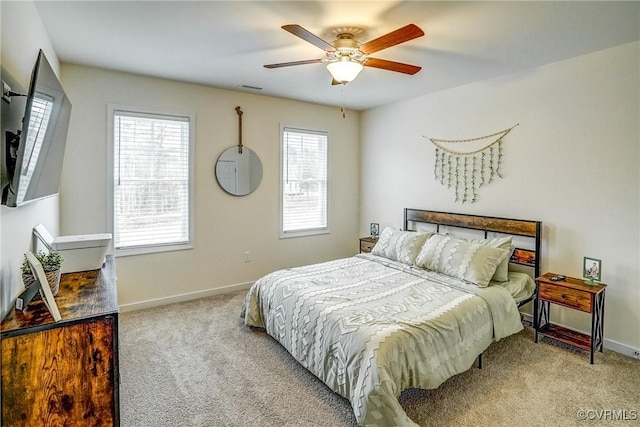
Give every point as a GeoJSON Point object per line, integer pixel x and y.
{"type": "Point", "coordinates": [196, 364]}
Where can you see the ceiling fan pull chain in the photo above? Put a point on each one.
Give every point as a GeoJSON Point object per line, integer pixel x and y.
{"type": "Point", "coordinates": [344, 113]}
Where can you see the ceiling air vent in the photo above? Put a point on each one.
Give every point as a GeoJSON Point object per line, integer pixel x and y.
{"type": "Point", "coordinates": [250, 87]}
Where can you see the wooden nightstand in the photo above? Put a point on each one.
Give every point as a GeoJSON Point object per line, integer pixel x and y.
{"type": "Point", "coordinates": [367, 244]}
{"type": "Point", "coordinates": [578, 295]}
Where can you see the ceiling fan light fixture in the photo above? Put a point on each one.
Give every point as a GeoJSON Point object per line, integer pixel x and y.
{"type": "Point", "coordinates": [344, 70]}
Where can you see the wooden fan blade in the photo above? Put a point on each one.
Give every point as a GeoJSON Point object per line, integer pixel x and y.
{"type": "Point", "coordinates": [307, 36]}
{"type": "Point", "coordinates": [289, 64]}
{"type": "Point", "coordinates": [392, 66]}
{"type": "Point", "coordinates": [401, 35]}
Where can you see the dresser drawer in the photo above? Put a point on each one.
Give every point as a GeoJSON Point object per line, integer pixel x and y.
{"type": "Point", "coordinates": [573, 298]}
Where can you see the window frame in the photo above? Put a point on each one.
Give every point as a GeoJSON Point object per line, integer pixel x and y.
{"type": "Point", "coordinates": [307, 232]}
{"type": "Point", "coordinates": [112, 109]}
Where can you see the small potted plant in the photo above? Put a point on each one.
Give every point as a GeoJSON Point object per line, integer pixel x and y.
{"type": "Point", "coordinates": [51, 264]}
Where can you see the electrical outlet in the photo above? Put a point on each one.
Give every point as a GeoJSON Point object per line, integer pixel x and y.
{"type": "Point", "coordinates": [247, 256]}
{"type": "Point", "coordinates": [636, 354]}
{"type": "Point", "coordinates": [6, 91]}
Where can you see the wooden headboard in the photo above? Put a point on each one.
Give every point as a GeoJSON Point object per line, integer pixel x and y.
{"type": "Point", "coordinates": [516, 227]}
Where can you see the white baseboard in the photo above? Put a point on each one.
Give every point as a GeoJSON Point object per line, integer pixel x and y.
{"type": "Point", "coordinates": [608, 344]}
{"type": "Point", "coordinates": [183, 297]}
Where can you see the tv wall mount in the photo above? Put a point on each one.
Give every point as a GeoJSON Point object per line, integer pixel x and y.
{"type": "Point", "coordinates": [7, 93]}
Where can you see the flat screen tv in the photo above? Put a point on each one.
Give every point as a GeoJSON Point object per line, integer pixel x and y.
{"type": "Point", "coordinates": [36, 152]}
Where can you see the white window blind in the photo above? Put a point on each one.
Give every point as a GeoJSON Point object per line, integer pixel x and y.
{"type": "Point", "coordinates": [151, 180]}
{"type": "Point", "coordinates": [304, 182]}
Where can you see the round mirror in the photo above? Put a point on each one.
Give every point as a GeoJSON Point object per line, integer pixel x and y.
{"type": "Point", "coordinates": [239, 174]}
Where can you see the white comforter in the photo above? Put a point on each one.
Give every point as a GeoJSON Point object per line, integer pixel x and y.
{"type": "Point", "coordinates": [370, 327]}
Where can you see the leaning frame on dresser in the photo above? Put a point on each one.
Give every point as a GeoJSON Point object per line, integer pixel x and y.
{"type": "Point", "coordinates": [487, 224]}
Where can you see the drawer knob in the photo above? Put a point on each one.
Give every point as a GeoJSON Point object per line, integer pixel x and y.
{"type": "Point", "coordinates": [563, 296]}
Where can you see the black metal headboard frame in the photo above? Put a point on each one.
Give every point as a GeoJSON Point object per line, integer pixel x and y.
{"type": "Point", "coordinates": [515, 227]}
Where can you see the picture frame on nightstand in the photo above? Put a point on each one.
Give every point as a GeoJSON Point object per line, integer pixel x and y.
{"type": "Point", "coordinates": [592, 269]}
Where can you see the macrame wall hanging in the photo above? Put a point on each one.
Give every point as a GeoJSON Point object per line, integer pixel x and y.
{"type": "Point", "coordinates": [470, 169]}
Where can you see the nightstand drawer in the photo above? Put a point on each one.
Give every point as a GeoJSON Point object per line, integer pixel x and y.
{"type": "Point", "coordinates": [573, 298]}
{"type": "Point", "coordinates": [367, 244]}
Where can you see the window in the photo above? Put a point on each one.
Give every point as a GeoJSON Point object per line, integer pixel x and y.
{"type": "Point", "coordinates": [41, 110]}
{"type": "Point", "coordinates": [151, 181]}
{"type": "Point", "coordinates": [304, 182]}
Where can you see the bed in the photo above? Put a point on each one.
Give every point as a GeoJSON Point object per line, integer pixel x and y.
{"type": "Point", "coordinates": [420, 308]}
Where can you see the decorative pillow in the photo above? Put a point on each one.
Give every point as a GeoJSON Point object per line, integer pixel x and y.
{"type": "Point", "coordinates": [506, 243]}
{"type": "Point", "coordinates": [402, 246]}
{"type": "Point", "coordinates": [461, 259]}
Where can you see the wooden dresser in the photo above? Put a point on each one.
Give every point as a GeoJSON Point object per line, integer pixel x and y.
{"type": "Point", "coordinates": [64, 373]}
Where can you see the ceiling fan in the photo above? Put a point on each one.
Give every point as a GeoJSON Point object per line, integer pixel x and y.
{"type": "Point", "coordinates": [345, 57]}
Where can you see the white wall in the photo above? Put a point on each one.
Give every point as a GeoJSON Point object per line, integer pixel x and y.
{"type": "Point", "coordinates": [225, 226]}
{"type": "Point", "coordinates": [23, 35]}
{"type": "Point", "coordinates": [573, 163]}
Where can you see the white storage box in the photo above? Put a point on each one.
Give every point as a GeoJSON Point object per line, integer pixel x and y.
{"type": "Point", "coordinates": [80, 253]}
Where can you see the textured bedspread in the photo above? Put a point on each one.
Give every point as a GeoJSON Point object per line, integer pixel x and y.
{"type": "Point", "coordinates": [370, 327]}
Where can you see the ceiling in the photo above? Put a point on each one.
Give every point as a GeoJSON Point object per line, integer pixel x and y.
{"type": "Point", "coordinates": [226, 43]}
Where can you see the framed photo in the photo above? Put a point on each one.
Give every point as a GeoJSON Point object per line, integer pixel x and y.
{"type": "Point", "coordinates": [592, 269]}
{"type": "Point", "coordinates": [43, 285]}
{"type": "Point", "coordinates": [374, 227]}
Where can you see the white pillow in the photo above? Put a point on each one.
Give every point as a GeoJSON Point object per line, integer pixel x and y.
{"type": "Point", "coordinates": [461, 259]}
{"type": "Point", "coordinates": [402, 246]}
{"type": "Point", "coordinates": [506, 243]}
